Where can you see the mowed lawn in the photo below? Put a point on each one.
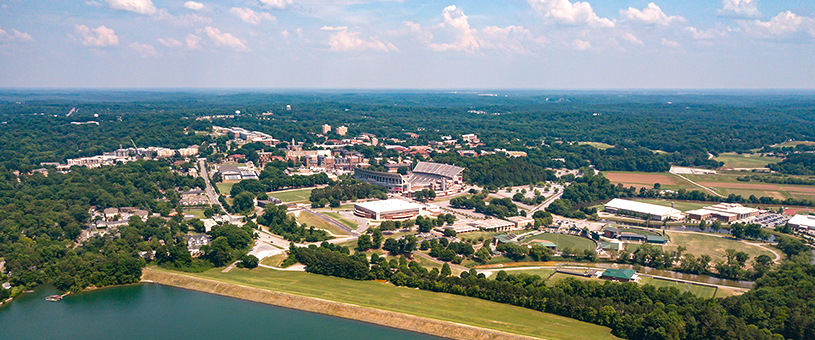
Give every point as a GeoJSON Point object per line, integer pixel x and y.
{"type": "Point", "coordinates": [542, 272]}
{"type": "Point", "coordinates": [680, 205]}
{"type": "Point", "coordinates": [296, 195]}
{"type": "Point", "coordinates": [343, 220]}
{"type": "Point", "coordinates": [698, 290]}
{"type": "Point", "coordinates": [441, 306]}
{"type": "Point", "coordinates": [225, 187]}
{"type": "Point", "coordinates": [319, 223]}
{"type": "Point", "coordinates": [564, 241]}
{"type": "Point", "coordinates": [714, 246]}
{"type": "Point", "coordinates": [734, 160]}
{"type": "Point", "coordinates": [597, 145]}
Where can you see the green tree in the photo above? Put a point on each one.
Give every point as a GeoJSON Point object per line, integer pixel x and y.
{"type": "Point", "coordinates": [244, 202]}
{"type": "Point", "coordinates": [445, 270]}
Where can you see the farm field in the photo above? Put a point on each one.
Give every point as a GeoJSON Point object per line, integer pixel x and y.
{"type": "Point", "coordinates": [647, 179]}
{"type": "Point", "coordinates": [296, 195]}
{"type": "Point", "coordinates": [316, 222]}
{"type": "Point", "coordinates": [564, 241]}
{"type": "Point", "coordinates": [680, 205]}
{"type": "Point", "coordinates": [713, 246]}
{"type": "Point", "coordinates": [734, 160]}
{"type": "Point", "coordinates": [385, 296]}
{"type": "Point", "coordinates": [698, 290]}
{"type": "Point", "coordinates": [343, 220]}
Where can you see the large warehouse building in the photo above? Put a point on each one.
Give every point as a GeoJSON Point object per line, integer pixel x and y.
{"type": "Point", "coordinates": [642, 210]}
{"type": "Point", "coordinates": [392, 209]}
{"type": "Point", "coordinates": [802, 222]}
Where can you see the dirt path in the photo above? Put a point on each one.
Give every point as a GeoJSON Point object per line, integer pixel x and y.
{"type": "Point", "coordinates": [699, 185]}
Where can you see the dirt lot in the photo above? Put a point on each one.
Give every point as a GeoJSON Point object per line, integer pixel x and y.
{"type": "Point", "coordinates": [638, 179]}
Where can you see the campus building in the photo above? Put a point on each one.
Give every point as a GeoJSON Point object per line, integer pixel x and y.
{"type": "Point", "coordinates": [493, 225]}
{"type": "Point", "coordinates": [642, 210]}
{"type": "Point", "coordinates": [426, 175]}
{"type": "Point", "coordinates": [725, 212]}
{"type": "Point", "coordinates": [802, 222]}
{"type": "Point", "coordinates": [620, 275]}
{"type": "Point", "coordinates": [392, 209]}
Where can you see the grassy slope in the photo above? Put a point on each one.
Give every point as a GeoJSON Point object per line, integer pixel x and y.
{"type": "Point", "coordinates": [701, 291]}
{"type": "Point", "coordinates": [699, 244]}
{"type": "Point", "coordinates": [565, 241]}
{"type": "Point", "coordinates": [297, 195]}
{"type": "Point", "coordinates": [317, 222]}
{"type": "Point", "coordinates": [384, 296]}
{"type": "Point", "coordinates": [343, 220]}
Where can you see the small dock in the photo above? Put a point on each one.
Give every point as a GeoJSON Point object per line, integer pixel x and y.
{"type": "Point", "coordinates": [54, 298]}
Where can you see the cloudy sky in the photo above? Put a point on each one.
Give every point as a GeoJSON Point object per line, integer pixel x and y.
{"type": "Point", "coordinates": [370, 44]}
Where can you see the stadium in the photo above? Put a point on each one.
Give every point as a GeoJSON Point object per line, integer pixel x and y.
{"type": "Point", "coordinates": [426, 175]}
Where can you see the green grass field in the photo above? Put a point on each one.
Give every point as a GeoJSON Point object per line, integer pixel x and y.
{"type": "Point", "coordinates": [297, 195]}
{"type": "Point", "coordinates": [714, 246]}
{"type": "Point", "coordinates": [543, 273]}
{"type": "Point", "coordinates": [564, 241]}
{"type": "Point", "coordinates": [597, 145]}
{"type": "Point", "coordinates": [319, 223]}
{"type": "Point", "coordinates": [385, 296]}
{"type": "Point", "coordinates": [275, 260]}
{"type": "Point", "coordinates": [681, 205]}
{"type": "Point", "coordinates": [197, 212]}
{"type": "Point", "coordinates": [794, 143]}
{"type": "Point", "coordinates": [734, 160]}
{"type": "Point", "coordinates": [638, 231]}
{"type": "Point", "coordinates": [698, 290]}
{"type": "Point", "coordinates": [225, 188]}
{"type": "Point", "coordinates": [343, 220]}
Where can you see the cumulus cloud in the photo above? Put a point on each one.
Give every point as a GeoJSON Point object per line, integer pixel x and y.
{"type": "Point", "coordinates": [508, 39]}
{"type": "Point", "coordinates": [193, 42]}
{"type": "Point", "coordinates": [96, 37]}
{"type": "Point", "coordinates": [137, 6]}
{"type": "Point", "coordinates": [195, 6]}
{"type": "Point", "coordinates": [145, 50]}
{"type": "Point", "coordinates": [250, 16]}
{"type": "Point", "coordinates": [277, 4]}
{"type": "Point", "coordinates": [567, 13]}
{"type": "Point", "coordinates": [329, 28]}
{"type": "Point", "coordinates": [698, 34]}
{"type": "Point", "coordinates": [224, 39]}
{"type": "Point", "coordinates": [465, 37]}
{"type": "Point", "coordinates": [651, 15]}
{"type": "Point", "coordinates": [14, 36]}
{"type": "Point", "coordinates": [785, 25]}
{"type": "Point", "coordinates": [632, 39]}
{"type": "Point", "coordinates": [669, 43]}
{"type": "Point", "coordinates": [343, 40]}
{"type": "Point", "coordinates": [739, 9]}
{"type": "Point", "coordinates": [581, 45]}
{"type": "Point", "coordinates": [170, 42]}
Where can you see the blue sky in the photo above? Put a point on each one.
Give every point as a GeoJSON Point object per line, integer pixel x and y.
{"type": "Point", "coordinates": [533, 44]}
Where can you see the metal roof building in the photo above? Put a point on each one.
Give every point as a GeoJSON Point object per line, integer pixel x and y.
{"type": "Point", "coordinates": [802, 222]}
{"type": "Point", "coordinates": [387, 209]}
{"type": "Point", "coordinates": [642, 210]}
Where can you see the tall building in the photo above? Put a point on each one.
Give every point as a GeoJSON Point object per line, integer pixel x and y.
{"type": "Point", "coordinates": [342, 130]}
{"type": "Point", "coordinates": [326, 128]}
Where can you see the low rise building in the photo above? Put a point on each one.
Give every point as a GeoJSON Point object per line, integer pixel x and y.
{"type": "Point", "coordinates": [522, 222]}
{"type": "Point", "coordinates": [642, 210]}
{"type": "Point", "coordinates": [803, 222]}
{"type": "Point", "coordinates": [620, 275]}
{"type": "Point", "coordinates": [391, 209]}
{"type": "Point", "coordinates": [726, 212]}
{"type": "Point", "coordinates": [493, 225]}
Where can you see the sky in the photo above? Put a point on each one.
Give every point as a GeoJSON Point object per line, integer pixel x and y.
{"type": "Point", "coordinates": [407, 44]}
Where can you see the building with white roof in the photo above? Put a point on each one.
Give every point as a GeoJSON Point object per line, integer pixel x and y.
{"type": "Point", "coordinates": [802, 222]}
{"type": "Point", "coordinates": [493, 224]}
{"type": "Point", "coordinates": [391, 209]}
{"type": "Point", "coordinates": [642, 210]}
{"type": "Point", "coordinates": [727, 212]}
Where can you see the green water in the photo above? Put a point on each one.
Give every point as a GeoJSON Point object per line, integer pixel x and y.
{"type": "Point", "coordinates": [151, 311]}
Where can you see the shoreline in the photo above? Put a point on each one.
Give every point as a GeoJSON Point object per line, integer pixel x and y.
{"type": "Point", "coordinates": [444, 329]}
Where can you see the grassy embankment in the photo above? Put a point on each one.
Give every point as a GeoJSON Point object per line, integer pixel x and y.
{"type": "Point", "coordinates": [319, 223]}
{"type": "Point", "coordinates": [343, 220]}
{"type": "Point", "coordinates": [292, 196]}
{"type": "Point", "coordinates": [386, 297]}
{"type": "Point", "coordinates": [563, 241]}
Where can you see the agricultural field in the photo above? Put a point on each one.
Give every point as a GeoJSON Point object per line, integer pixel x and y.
{"type": "Point", "coordinates": [296, 195]}
{"type": "Point", "coordinates": [316, 222]}
{"type": "Point", "coordinates": [564, 241]}
{"type": "Point", "coordinates": [666, 180]}
{"type": "Point", "coordinates": [385, 296]}
{"type": "Point", "coordinates": [698, 290]}
{"type": "Point", "coordinates": [736, 161]}
{"type": "Point", "coordinates": [714, 246]}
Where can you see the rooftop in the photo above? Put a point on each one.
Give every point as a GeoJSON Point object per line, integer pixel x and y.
{"type": "Point", "coordinates": [626, 274]}
{"type": "Point", "coordinates": [803, 220]}
{"type": "Point", "coordinates": [642, 207]}
{"type": "Point", "coordinates": [438, 169]}
{"type": "Point", "coordinates": [389, 205]}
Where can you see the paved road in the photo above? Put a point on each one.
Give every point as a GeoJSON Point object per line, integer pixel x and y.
{"type": "Point", "coordinates": [547, 202]}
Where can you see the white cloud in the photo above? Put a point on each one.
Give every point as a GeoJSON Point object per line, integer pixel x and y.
{"type": "Point", "coordinates": [92, 4]}
{"type": "Point", "coordinates": [138, 6]}
{"type": "Point", "coordinates": [669, 43]}
{"type": "Point", "coordinates": [632, 39]}
{"type": "Point", "coordinates": [785, 25]}
{"type": "Point", "coordinates": [277, 4]}
{"type": "Point", "coordinates": [508, 39]}
{"type": "Point", "coordinates": [146, 51]}
{"type": "Point", "coordinates": [329, 28]}
{"type": "Point", "coordinates": [195, 6]}
{"type": "Point", "coordinates": [250, 16]}
{"type": "Point", "coordinates": [739, 9]}
{"type": "Point", "coordinates": [225, 39]}
{"type": "Point", "coordinates": [698, 34]}
{"type": "Point", "coordinates": [465, 37]}
{"type": "Point", "coordinates": [193, 42]}
{"type": "Point", "coordinates": [170, 42]}
{"type": "Point", "coordinates": [651, 15]}
{"type": "Point", "coordinates": [344, 40]}
{"type": "Point", "coordinates": [14, 36]}
{"type": "Point", "coordinates": [566, 13]}
{"type": "Point", "coordinates": [581, 44]}
{"type": "Point", "coordinates": [96, 37]}
{"type": "Point", "coordinates": [416, 30]}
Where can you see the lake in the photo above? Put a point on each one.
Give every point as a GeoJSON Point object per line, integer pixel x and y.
{"type": "Point", "coordinates": [152, 311]}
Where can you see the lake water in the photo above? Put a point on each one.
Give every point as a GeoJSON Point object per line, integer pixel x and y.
{"type": "Point", "coordinates": [152, 311]}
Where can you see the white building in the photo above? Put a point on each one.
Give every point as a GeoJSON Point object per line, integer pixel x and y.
{"type": "Point", "coordinates": [391, 209]}
{"type": "Point", "coordinates": [493, 224]}
{"type": "Point", "coordinates": [802, 222]}
{"type": "Point", "coordinates": [642, 210]}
